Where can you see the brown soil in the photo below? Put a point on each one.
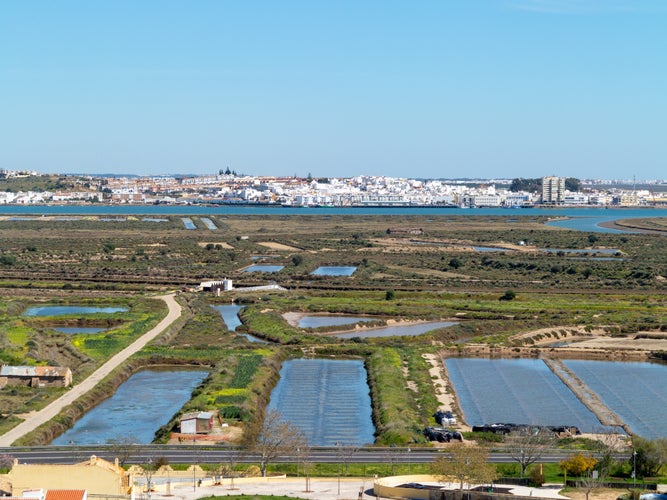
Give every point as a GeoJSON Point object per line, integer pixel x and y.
{"type": "Point", "coordinates": [278, 246]}
{"type": "Point", "coordinates": [596, 494]}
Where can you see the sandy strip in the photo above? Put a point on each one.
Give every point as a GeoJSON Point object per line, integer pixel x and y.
{"type": "Point", "coordinates": [278, 246]}
{"type": "Point", "coordinates": [444, 391]}
{"type": "Point", "coordinates": [627, 227]}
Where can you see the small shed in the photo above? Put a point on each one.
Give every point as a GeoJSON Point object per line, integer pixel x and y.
{"type": "Point", "coordinates": [35, 376]}
{"type": "Point", "coordinates": [200, 422]}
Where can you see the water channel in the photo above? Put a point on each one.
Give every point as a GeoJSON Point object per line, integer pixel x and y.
{"type": "Point", "coordinates": [329, 400]}
{"type": "Point", "coordinates": [140, 406]}
{"type": "Point", "coordinates": [230, 315]}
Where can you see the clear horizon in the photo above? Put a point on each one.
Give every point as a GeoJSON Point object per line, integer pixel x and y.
{"type": "Point", "coordinates": [425, 89]}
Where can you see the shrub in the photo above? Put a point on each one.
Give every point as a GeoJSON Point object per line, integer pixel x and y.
{"type": "Point", "coordinates": [455, 263]}
{"type": "Point", "coordinates": [536, 476]}
{"type": "Point", "coordinates": [7, 260]}
{"type": "Point", "coordinates": [297, 260]}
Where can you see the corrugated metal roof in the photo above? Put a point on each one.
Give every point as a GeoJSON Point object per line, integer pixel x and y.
{"type": "Point", "coordinates": [33, 371]}
{"type": "Point", "coordinates": [204, 415]}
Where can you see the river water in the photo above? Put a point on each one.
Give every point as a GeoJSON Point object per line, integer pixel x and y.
{"type": "Point", "coordinates": [585, 219]}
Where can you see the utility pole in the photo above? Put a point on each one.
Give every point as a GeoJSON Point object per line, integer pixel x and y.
{"type": "Point", "coordinates": [194, 466]}
{"type": "Point", "coordinates": [338, 444]}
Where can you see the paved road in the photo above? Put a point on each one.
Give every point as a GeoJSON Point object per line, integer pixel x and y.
{"type": "Point", "coordinates": [53, 409]}
{"type": "Point", "coordinates": [176, 454]}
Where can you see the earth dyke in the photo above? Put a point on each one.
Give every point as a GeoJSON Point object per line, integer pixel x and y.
{"type": "Point", "coordinates": [487, 351]}
{"type": "Point", "coordinates": [588, 397]}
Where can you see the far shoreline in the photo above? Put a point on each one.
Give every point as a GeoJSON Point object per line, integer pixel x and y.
{"type": "Point", "coordinates": [627, 227]}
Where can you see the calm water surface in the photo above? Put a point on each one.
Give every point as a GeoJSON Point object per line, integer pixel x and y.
{"type": "Point", "coordinates": [585, 219]}
{"type": "Point", "coordinates": [187, 222]}
{"type": "Point", "coordinates": [208, 223]}
{"type": "Point", "coordinates": [605, 251]}
{"type": "Point", "coordinates": [262, 268]}
{"type": "Point", "coordinates": [334, 271]}
{"type": "Point", "coordinates": [447, 213]}
{"type": "Point", "coordinates": [140, 406]}
{"type": "Point", "coordinates": [327, 399]}
{"type": "Point", "coordinates": [636, 392]}
{"type": "Point", "coordinates": [230, 315]}
{"type": "Point", "coordinates": [67, 310]}
{"type": "Point", "coordinates": [491, 249]}
{"type": "Point", "coordinates": [320, 321]}
{"type": "Point", "coordinates": [518, 391]}
{"type": "Point", "coordinates": [397, 330]}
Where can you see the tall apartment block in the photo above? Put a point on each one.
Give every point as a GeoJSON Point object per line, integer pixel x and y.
{"type": "Point", "coordinates": [553, 190]}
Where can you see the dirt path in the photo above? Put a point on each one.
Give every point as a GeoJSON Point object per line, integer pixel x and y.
{"type": "Point", "coordinates": [444, 390]}
{"type": "Point", "coordinates": [45, 414]}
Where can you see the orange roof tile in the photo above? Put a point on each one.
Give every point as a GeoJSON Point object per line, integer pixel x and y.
{"type": "Point", "coordinates": [65, 494]}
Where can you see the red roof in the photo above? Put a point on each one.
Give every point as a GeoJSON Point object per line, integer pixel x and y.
{"type": "Point", "coordinates": [65, 494]}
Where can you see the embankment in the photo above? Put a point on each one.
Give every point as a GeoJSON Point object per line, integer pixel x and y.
{"type": "Point", "coordinates": [588, 397]}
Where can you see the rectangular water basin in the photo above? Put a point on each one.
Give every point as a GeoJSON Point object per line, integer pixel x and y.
{"type": "Point", "coordinates": [263, 268]}
{"type": "Point", "coordinates": [334, 271]}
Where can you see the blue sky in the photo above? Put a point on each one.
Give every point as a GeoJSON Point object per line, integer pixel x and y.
{"type": "Point", "coordinates": [406, 88]}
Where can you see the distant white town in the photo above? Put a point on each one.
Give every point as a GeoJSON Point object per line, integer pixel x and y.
{"type": "Point", "coordinates": [362, 191]}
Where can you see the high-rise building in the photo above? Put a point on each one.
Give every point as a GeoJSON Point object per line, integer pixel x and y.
{"type": "Point", "coordinates": [553, 190]}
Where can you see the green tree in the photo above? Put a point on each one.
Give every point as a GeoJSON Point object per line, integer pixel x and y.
{"type": "Point", "coordinates": [530, 185]}
{"type": "Point", "coordinates": [390, 295]}
{"type": "Point", "coordinates": [648, 456]}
